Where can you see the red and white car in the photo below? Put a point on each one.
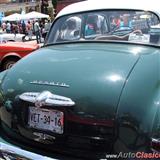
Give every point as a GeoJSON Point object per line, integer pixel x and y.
{"type": "Point", "coordinates": [11, 52]}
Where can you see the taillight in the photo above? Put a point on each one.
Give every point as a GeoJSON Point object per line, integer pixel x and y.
{"type": "Point", "coordinates": [155, 144]}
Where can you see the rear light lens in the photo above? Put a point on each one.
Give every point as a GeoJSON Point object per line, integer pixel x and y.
{"type": "Point", "coordinates": [155, 144]}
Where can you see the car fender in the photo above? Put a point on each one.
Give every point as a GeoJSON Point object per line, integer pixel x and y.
{"type": "Point", "coordinates": [11, 54]}
{"type": "Point", "coordinates": [137, 115]}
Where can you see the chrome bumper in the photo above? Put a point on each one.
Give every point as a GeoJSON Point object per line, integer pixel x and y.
{"type": "Point", "coordinates": [8, 151]}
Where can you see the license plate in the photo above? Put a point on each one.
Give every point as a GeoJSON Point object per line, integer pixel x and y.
{"type": "Point", "coordinates": [45, 119]}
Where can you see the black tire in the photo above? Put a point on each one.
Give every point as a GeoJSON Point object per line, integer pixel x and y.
{"type": "Point", "coordinates": [8, 63]}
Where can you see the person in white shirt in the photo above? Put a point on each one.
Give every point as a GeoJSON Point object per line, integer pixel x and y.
{"type": "Point", "coordinates": [8, 27]}
{"type": "Point", "coordinates": [37, 31]}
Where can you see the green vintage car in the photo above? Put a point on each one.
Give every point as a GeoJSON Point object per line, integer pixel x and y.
{"type": "Point", "coordinates": [93, 90]}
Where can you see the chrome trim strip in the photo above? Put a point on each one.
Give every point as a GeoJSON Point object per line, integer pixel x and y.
{"type": "Point", "coordinates": [58, 84]}
{"type": "Point", "coordinates": [11, 152]}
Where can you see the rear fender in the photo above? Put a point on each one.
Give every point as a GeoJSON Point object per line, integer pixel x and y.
{"type": "Point", "coordinates": [11, 54]}
{"type": "Point", "coordinates": [8, 56]}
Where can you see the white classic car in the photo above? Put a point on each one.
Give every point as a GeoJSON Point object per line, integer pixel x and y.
{"type": "Point", "coordinates": [12, 37]}
{"type": "Point", "coordinates": [15, 37]}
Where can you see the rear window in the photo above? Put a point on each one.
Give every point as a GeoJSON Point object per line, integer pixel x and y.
{"type": "Point", "coordinates": [108, 25]}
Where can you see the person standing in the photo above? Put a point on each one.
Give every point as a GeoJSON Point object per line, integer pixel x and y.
{"type": "Point", "coordinates": [23, 27]}
{"type": "Point", "coordinates": [47, 26]}
{"type": "Point", "coordinates": [29, 30]}
{"type": "Point", "coordinates": [8, 27]}
{"type": "Point", "coordinates": [115, 22]}
{"type": "Point", "coordinates": [37, 31]}
{"type": "Point", "coordinates": [91, 25]}
{"type": "Point", "coordinates": [125, 22]}
{"type": "Point", "coordinates": [15, 28]}
{"type": "Point", "coordinates": [3, 26]}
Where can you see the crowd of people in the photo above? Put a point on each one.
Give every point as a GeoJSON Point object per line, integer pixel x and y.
{"type": "Point", "coordinates": [133, 22]}
{"type": "Point", "coordinates": [31, 28]}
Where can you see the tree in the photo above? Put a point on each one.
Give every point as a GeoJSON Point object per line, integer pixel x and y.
{"type": "Point", "coordinates": [44, 6]}
{"type": "Point", "coordinates": [54, 2]}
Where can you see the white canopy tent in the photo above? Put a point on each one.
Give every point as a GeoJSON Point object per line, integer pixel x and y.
{"type": "Point", "coordinates": [12, 17]}
{"type": "Point", "coordinates": [34, 15]}
{"type": "Point", "coordinates": [31, 15]}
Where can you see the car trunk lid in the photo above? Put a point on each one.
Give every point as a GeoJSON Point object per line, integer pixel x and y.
{"type": "Point", "coordinates": [92, 75]}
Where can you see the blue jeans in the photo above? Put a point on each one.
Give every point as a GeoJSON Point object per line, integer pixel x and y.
{"type": "Point", "coordinates": [38, 36]}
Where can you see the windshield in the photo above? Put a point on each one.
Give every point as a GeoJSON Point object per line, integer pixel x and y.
{"type": "Point", "coordinates": [131, 26]}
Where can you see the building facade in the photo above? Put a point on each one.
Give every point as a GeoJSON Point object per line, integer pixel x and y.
{"type": "Point", "coordinates": [5, 1]}
{"type": "Point", "coordinates": [17, 1]}
{"type": "Point", "coordinates": [19, 6]}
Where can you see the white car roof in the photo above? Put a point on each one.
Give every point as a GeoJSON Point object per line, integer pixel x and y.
{"type": "Point", "coordinates": [89, 5]}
